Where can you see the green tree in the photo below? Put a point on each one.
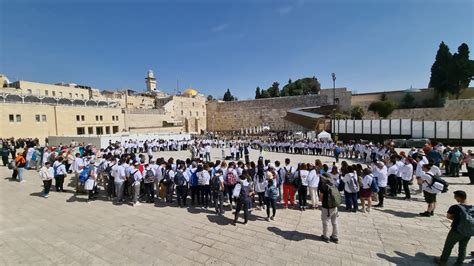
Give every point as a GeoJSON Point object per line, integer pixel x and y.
{"type": "Point", "coordinates": [228, 97]}
{"type": "Point", "coordinates": [408, 101]}
{"type": "Point", "coordinates": [383, 108]}
{"type": "Point", "coordinates": [383, 97]}
{"type": "Point", "coordinates": [357, 112]}
{"type": "Point", "coordinates": [265, 94]}
{"type": "Point", "coordinates": [274, 90]}
{"type": "Point", "coordinates": [439, 71]}
{"type": "Point", "coordinates": [210, 98]}
{"type": "Point", "coordinates": [459, 71]}
{"type": "Point", "coordinates": [258, 93]}
{"type": "Point", "coordinates": [302, 86]}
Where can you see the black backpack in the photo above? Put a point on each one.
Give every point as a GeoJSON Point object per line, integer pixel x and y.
{"type": "Point", "coordinates": [215, 184]}
{"type": "Point", "coordinates": [437, 179]}
{"type": "Point", "coordinates": [167, 179]}
{"type": "Point", "coordinates": [289, 177]}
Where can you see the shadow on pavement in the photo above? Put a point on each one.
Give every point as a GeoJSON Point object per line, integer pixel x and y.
{"type": "Point", "coordinates": [219, 220]}
{"type": "Point", "coordinates": [420, 258]}
{"type": "Point", "coordinates": [293, 235]}
{"type": "Point", "coordinates": [37, 194]}
{"type": "Point", "coordinates": [402, 214]}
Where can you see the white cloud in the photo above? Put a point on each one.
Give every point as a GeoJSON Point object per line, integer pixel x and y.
{"type": "Point", "coordinates": [219, 27]}
{"type": "Point", "coordinates": [284, 10]}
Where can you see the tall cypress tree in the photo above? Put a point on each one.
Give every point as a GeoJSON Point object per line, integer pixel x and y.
{"type": "Point", "coordinates": [258, 93]}
{"type": "Point", "coordinates": [439, 70]}
{"type": "Point", "coordinates": [460, 71]}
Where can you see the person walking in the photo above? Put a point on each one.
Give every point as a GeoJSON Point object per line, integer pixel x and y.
{"type": "Point", "coordinates": [406, 173]}
{"type": "Point", "coordinates": [365, 192]}
{"type": "Point", "coordinates": [469, 161]}
{"type": "Point", "coordinates": [135, 177]}
{"type": "Point", "coordinates": [271, 194]}
{"type": "Point", "coordinates": [19, 167]}
{"type": "Point", "coordinates": [380, 174]}
{"type": "Point", "coordinates": [351, 188]}
{"type": "Point", "coordinates": [217, 189]}
{"type": "Point", "coordinates": [46, 174]}
{"type": "Point", "coordinates": [91, 181]}
{"type": "Point", "coordinates": [461, 229]}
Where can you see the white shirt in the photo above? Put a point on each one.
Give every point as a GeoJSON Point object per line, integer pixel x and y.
{"type": "Point", "coordinates": [313, 179]}
{"type": "Point", "coordinates": [367, 181]}
{"type": "Point", "coordinates": [60, 168]}
{"type": "Point", "coordinates": [381, 175]}
{"type": "Point", "coordinates": [77, 165]}
{"type": "Point", "coordinates": [406, 172]}
{"type": "Point", "coordinates": [303, 174]}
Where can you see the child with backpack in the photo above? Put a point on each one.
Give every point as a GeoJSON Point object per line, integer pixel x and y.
{"type": "Point", "coordinates": [230, 180]}
{"type": "Point", "coordinates": [217, 189]}
{"type": "Point", "coordinates": [330, 199]}
{"type": "Point", "coordinates": [271, 194]}
{"type": "Point", "coordinates": [242, 193]}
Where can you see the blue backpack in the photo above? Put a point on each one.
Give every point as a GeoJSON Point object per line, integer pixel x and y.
{"type": "Point", "coordinates": [84, 174]}
{"type": "Point", "coordinates": [194, 178]}
{"type": "Point", "coordinates": [375, 186]}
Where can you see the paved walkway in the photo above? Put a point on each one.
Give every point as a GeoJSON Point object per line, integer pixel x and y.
{"type": "Point", "coordinates": [64, 229]}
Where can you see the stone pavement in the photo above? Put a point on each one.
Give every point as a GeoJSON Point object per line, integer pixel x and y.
{"type": "Point", "coordinates": [64, 229]}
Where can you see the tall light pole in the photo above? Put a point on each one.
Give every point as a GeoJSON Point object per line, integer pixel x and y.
{"type": "Point", "coordinates": [333, 88]}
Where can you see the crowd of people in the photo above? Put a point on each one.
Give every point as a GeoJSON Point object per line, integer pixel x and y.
{"type": "Point", "coordinates": [128, 172]}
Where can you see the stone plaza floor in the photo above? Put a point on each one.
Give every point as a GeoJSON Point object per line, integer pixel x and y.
{"type": "Point", "coordinates": [64, 229]}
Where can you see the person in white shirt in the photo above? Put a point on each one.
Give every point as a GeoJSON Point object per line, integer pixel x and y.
{"type": "Point", "coordinates": [351, 187]}
{"type": "Point", "coordinates": [76, 168]}
{"type": "Point", "coordinates": [91, 181]}
{"type": "Point", "coordinates": [302, 175]}
{"type": "Point", "coordinates": [260, 184]}
{"type": "Point", "coordinates": [406, 174]}
{"type": "Point", "coordinates": [366, 191]}
{"type": "Point", "coordinates": [380, 173]}
{"type": "Point", "coordinates": [46, 174]}
{"type": "Point", "coordinates": [118, 173]}
{"type": "Point", "coordinates": [430, 190]}
{"type": "Point", "coordinates": [59, 173]}
{"type": "Point", "coordinates": [136, 177]}
{"type": "Point", "coordinates": [287, 176]}
{"type": "Point", "coordinates": [392, 176]}
{"type": "Point", "coordinates": [313, 183]}
{"type": "Point", "coordinates": [208, 152]}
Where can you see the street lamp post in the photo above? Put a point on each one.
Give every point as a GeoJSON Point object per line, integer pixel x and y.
{"type": "Point", "coordinates": [333, 88]}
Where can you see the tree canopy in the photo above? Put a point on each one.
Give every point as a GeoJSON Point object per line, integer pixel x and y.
{"type": "Point", "coordinates": [228, 97]}
{"type": "Point", "coordinates": [451, 73]}
{"type": "Point", "coordinates": [302, 86]}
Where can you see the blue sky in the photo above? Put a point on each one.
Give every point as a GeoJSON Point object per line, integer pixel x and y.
{"type": "Point", "coordinates": [377, 45]}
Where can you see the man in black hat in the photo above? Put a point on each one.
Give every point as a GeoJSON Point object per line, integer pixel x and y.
{"type": "Point", "coordinates": [459, 214]}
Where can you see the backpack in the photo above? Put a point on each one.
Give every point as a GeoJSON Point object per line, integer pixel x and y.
{"type": "Point", "coordinates": [231, 179]}
{"type": "Point", "coordinates": [194, 178]}
{"type": "Point", "coordinates": [149, 176]}
{"type": "Point", "coordinates": [436, 180]}
{"type": "Point", "coordinates": [466, 223]}
{"type": "Point", "coordinates": [352, 184]}
{"type": "Point", "coordinates": [201, 179]}
{"type": "Point", "coordinates": [84, 174]}
{"type": "Point", "coordinates": [11, 165]}
{"type": "Point", "coordinates": [374, 186]}
{"type": "Point", "coordinates": [179, 179]}
{"type": "Point", "coordinates": [215, 184]}
{"type": "Point", "coordinates": [334, 197]}
{"type": "Point", "coordinates": [289, 177]}
{"type": "Point", "coordinates": [55, 168]}
{"type": "Point", "coordinates": [244, 192]}
{"type": "Point", "coordinates": [272, 192]}
{"type": "Point", "coordinates": [167, 179]}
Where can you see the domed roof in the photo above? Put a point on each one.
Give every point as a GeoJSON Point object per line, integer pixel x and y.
{"type": "Point", "coordinates": [190, 92]}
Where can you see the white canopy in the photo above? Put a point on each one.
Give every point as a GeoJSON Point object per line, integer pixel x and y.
{"type": "Point", "coordinates": [324, 135]}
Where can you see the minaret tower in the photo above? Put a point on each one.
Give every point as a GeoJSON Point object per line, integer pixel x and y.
{"type": "Point", "coordinates": [150, 81]}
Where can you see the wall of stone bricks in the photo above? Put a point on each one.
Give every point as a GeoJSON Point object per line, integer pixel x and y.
{"type": "Point", "coordinates": [227, 116]}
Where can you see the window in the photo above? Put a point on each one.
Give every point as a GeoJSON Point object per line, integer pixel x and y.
{"type": "Point", "coordinates": [70, 95]}
{"type": "Point", "coordinates": [190, 114]}
{"type": "Point", "coordinates": [182, 112]}
{"type": "Point", "coordinates": [46, 92]}
{"type": "Point", "coordinates": [77, 96]}
{"type": "Point", "coordinates": [82, 118]}
{"type": "Point", "coordinates": [90, 130]}
{"type": "Point", "coordinates": [38, 118]}
{"type": "Point", "coordinates": [101, 118]}
{"type": "Point", "coordinates": [96, 118]}
{"type": "Point", "coordinates": [107, 130]}
{"type": "Point", "coordinates": [29, 91]}
{"type": "Point", "coordinates": [54, 93]}
{"type": "Point", "coordinates": [113, 118]}
{"type": "Point", "coordinates": [81, 131]}
{"type": "Point", "coordinates": [78, 118]}
{"type": "Point", "coordinates": [82, 96]}
{"type": "Point", "coordinates": [99, 130]}
{"type": "Point", "coordinates": [193, 104]}
{"type": "Point", "coordinates": [18, 118]}
{"type": "Point", "coordinates": [43, 117]}
{"type": "Point", "coordinates": [12, 118]}
{"type": "Point", "coordinates": [115, 129]}
{"type": "Point", "coordinates": [116, 118]}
